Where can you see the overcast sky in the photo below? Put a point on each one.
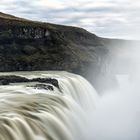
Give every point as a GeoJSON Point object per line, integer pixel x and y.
{"type": "Point", "coordinates": [106, 18]}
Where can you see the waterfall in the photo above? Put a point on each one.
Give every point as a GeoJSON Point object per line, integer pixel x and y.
{"type": "Point", "coordinates": [35, 114]}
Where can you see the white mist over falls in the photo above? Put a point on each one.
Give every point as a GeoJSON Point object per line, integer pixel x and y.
{"type": "Point", "coordinates": [75, 112]}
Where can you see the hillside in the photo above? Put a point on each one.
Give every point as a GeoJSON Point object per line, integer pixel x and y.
{"type": "Point", "coordinates": [29, 45]}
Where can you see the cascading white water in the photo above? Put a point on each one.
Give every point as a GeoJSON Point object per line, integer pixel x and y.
{"type": "Point", "coordinates": [31, 114]}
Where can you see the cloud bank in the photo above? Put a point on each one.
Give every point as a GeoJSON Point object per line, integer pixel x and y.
{"type": "Point", "coordinates": [107, 18]}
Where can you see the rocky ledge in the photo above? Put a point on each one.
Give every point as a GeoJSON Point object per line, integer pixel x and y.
{"type": "Point", "coordinates": [6, 80]}
{"type": "Point", "coordinates": [42, 86]}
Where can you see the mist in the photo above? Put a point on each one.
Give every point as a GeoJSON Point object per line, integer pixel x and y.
{"type": "Point", "coordinates": [118, 111]}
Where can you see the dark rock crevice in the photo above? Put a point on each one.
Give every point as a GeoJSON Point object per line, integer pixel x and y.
{"type": "Point", "coordinates": [6, 80]}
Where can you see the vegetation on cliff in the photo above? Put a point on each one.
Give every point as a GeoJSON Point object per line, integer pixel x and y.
{"type": "Point", "coordinates": [30, 45]}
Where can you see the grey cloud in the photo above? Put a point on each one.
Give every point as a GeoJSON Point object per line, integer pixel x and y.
{"type": "Point", "coordinates": [112, 18]}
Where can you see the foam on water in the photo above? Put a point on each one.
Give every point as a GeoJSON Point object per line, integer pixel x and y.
{"type": "Point", "coordinates": [33, 114]}
{"type": "Point", "coordinates": [76, 113]}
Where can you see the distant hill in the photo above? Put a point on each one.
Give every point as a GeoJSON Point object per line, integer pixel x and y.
{"type": "Point", "coordinates": [30, 45]}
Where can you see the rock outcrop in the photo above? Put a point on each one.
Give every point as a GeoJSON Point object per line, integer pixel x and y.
{"type": "Point", "coordinates": [8, 79]}
{"type": "Point", "coordinates": [27, 46]}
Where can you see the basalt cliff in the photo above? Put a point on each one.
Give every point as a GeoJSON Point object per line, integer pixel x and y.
{"type": "Point", "coordinates": [31, 46]}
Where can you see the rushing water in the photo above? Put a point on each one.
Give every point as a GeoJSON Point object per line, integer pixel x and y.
{"type": "Point", "coordinates": [36, 114]}
{"type": "Point", "coordinates": [73, 112]}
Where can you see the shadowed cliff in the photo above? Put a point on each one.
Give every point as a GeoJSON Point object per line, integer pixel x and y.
{"type": "Point", "coordinates": [29, 45]}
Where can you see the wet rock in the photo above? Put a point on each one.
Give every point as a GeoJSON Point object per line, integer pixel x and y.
{"type": "Point", "coordinates": [46, 80]}
{"type": "Point", "coordinates": [43, 86]}
{"type": "Point", "coordinates": [6, 80]}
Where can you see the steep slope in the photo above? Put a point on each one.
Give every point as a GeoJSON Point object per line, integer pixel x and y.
{"type": "Point", "coordinates": [29, 45]}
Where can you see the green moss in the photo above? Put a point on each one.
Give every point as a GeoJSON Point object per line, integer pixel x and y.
{"type": "Point", "coordinates": [6, 34]}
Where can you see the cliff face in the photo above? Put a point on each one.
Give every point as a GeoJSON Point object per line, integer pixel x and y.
{"type": "Point", "coordinates": [27, 45]}
{"type": "Point", "coordinates": [23, 32]}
